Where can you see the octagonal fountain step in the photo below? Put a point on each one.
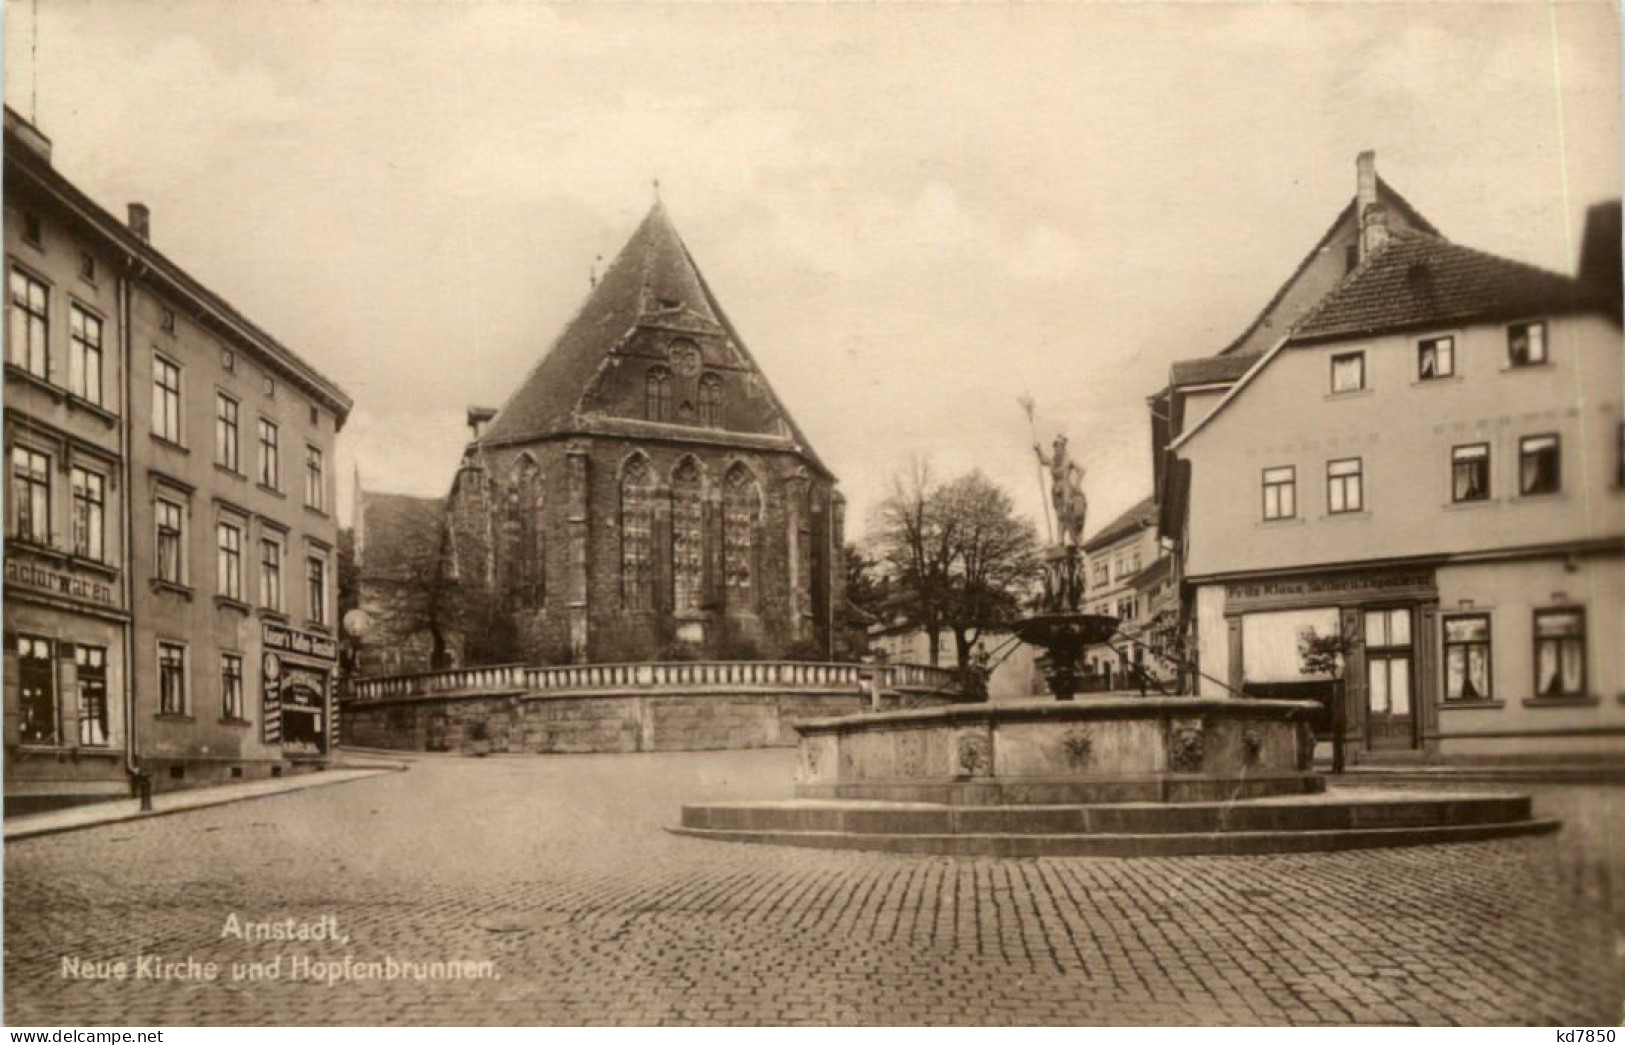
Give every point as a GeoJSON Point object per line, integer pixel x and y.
{"type": "Point", "coordinates": [1343, 819]}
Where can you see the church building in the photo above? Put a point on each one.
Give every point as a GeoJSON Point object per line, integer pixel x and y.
{"type": "Point", "coordinates": [643, 494]}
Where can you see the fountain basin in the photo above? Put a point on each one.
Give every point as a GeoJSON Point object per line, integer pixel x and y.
{"type": "Point", "coordinates": [1099, 750]}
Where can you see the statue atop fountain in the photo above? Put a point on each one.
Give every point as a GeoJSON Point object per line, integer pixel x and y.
{"type": "Point", "coordinates": [1061, 628]}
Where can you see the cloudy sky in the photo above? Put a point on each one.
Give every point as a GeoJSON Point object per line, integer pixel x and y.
{"type": "Point", "coordinates": [913, 214]}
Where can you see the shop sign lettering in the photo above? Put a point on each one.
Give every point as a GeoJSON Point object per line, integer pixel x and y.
{"type": "Point", "coordinates": [1331, 584]}
{"type": "Point", "coordinates": [288, 640]}
{"type": "Point", "coordinates": [33, 575]}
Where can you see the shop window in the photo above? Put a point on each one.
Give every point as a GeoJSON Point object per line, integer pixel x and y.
{"type": "Point", "coordinates": [1540, 465]}
{"type": "Point", "coordinates": [30, 495]}
{"type": "Point", "coordinates": [1467, 657]}
{"type": "Point", "coordinates": [89, 514]}
{"type": "Point", "coordinates": [166, 399]}
{"type": "Point", "coordinates": [91, 662]}
{"type": "Point", "coordinates": [36, 691]}
{"type": "Point", "coordinates": [1470, 473]}
{"type": "Point", "coordinates": [687, 536]}
{"type": "Point", "coordinates": [1280, 493]}
{"type": "Point", "coordinates": [1560, 653]}
{"type": "Point", "coordinates": [231, 686]}
{"type": "Point", "coordinates": [229, 540]}
{"type": "Point", "coordinates": [171, 678]}
{"type": "Point", "coordinates": [171, 541]}
{"type": "Point", "coordinates": [1345, 486]}
{"type": "Point", "coordinates": [29, 327]}
{"type": "Point", "coordinates": [226, 435]}
{"type": "Point", "coordinates": [1526, 344]}
{"type": "Point", "coordinates": [84, 355]}
{"type": "Point", "coordinates": [1348, 372]}
{"type": "Point", "coordinates": [1435, 358]}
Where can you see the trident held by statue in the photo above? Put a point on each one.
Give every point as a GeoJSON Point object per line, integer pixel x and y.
{"type": "Point", "coordinates": [1027, 407]}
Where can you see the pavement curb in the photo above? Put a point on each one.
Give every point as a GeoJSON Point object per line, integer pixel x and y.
{"type": "Point", "coordinates": [19, 830]}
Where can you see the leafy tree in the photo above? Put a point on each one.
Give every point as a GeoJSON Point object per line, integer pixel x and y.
{"type": "Point", "coordinates": [956, 557]}
{"type": "Point", "coordinates": [1328, 655]}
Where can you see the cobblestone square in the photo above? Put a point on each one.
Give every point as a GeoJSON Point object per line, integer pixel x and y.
{"type": "Point", "coordinates": [557, 872]}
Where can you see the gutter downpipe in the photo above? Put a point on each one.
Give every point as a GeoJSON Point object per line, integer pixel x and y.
{"type": "Point", "coordinates": [132, 764]}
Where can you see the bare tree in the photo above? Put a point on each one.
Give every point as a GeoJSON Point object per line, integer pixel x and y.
{"type": "Point", "coordinates": [916, 547]}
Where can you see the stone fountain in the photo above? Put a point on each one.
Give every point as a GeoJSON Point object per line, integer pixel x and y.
{"type": "Point", "coordinates": [1110, 775]}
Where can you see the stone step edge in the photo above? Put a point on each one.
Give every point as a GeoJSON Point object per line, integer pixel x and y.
{"type": "Point", "coordinates": [1249, 843]}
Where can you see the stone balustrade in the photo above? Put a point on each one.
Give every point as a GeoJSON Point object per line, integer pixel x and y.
{"type": "Point", "coordinates": [708, 676]}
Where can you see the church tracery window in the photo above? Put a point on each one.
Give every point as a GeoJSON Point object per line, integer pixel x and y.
{"type": "Point", "coordinates": [530, 559]}
{"type": "Point", "coordinates": [741, 521]}
{"type": "Point", "coordinates": [637, 572]}
{"type": "Point", "coordinates": [657, 394]}
{"type": "Point", "coordinates": [687, 536]}
{"type": "Point", "coordinates": [711, 401]}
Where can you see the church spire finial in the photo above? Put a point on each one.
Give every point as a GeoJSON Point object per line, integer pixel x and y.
{"type": "Point", "coordinates": [657, 191]}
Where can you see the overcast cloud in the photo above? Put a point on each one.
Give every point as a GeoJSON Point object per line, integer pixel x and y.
{"type": "Point", "coordinates": [913, 214]}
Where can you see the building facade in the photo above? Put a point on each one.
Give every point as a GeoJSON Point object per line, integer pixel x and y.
{"type": "Point", "coordinates": [1429, 465]}
{"type": "Point", "coordinates": [214, 477]}
{"type": "Point", "coordinates": [644, 494]}
{"type": "Point", "coordinates": [67, 585]}
{"type": "Point", "coordinates": [1126, 577]}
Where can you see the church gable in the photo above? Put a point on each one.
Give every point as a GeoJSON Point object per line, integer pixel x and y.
{"type": "Point", "coordinates": [651, 345]}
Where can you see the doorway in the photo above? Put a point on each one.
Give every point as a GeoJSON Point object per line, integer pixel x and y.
{"type": "Point", "coordinates": [1390, 679]}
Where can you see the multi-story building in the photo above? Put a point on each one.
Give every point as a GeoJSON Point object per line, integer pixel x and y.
{"type": "Point", "coordinates": [67, 583]}
{"type": "Point", "coordinates": [1126, 578]}
{"type": "Point", "coordinates": [223, 552]}
{"type": "Point", "coordinates": [1428, 463]}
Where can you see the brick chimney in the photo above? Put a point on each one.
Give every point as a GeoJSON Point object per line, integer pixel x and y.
{"type": "Point", "coordinates": [478, 418]}
{"type": "Point", "coordinates": [141, 221]}
{"type": "Point", "coordinates": [1365, 202]}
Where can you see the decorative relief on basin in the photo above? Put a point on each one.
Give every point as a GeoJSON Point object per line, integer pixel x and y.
{"type": "Point", "coordinates": [1306, 747]}
{"type": "Point", "coordinates": [911, 754]}
{"type": "Point", "coordinates": [974, 754]}
{"type": "Point", "coordinates": [1252, 747]}
{"type": "Point", "coordinates": [1186, 749]}
{"type": "Point", "coordinates": [1079, 747]}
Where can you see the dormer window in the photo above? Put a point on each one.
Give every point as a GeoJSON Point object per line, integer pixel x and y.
{"type": "Point", "coordinates": [657, 394]}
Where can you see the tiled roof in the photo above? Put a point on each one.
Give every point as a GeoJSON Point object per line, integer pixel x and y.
{"type": "Point", "coordinates": [397, 531]}
{"type": "Point", "coordinates": [1388, 197]}
{"type": "Point", "coordinates": [652, 280]}
{"type": "Point", "coordinates": [1209, 370]}
{"type": "Point", "coordinates": [1143, 514]}
{"type": "Point", "coordinates": [1419, 281]}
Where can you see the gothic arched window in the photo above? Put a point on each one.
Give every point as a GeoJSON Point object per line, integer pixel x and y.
{"type": "Point", "coordinates": [741, 520]}
{"type": "Point", "coordinates": [711, 401]}
{"type": "Point", "coordinates": [687, 537]}
{"type": "Point", "coordinates": [530, 560]}
{"type": "Point", "coordinates": [657, 394]}
{"type": "Point", "coordinates": [637, 572]}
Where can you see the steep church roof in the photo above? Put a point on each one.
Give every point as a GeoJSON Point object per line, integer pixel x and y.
{"type": "Point", "coordinates": [653, 281]}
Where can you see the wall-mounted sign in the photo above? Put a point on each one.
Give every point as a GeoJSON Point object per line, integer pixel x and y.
{"type": "Point", "coordinates": [44, 578]}
{"type": "Point", "coordinates": [306, 643]}
{"type": "Point", "coordinates": [1330, 587]}
{"type": "Point", "coordinates": [271, 697]}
